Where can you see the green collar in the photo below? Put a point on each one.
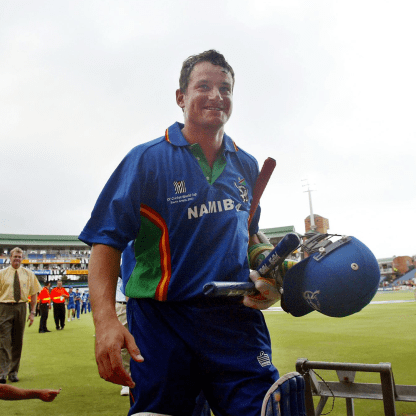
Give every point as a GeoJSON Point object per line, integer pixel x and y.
{"type": "Point", "coordinates": [219, 165]}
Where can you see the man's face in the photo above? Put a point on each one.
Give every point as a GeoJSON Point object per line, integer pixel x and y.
{"type": "Point", "coordinates": [208, 101]}
{"type": "Point", "coordinates": [59, 284]}
{"type": "Point", "coordinates": [16, 260]}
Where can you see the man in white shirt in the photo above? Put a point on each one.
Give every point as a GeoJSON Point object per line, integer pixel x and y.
{"type": "Point", "coordinates": [16, 285]}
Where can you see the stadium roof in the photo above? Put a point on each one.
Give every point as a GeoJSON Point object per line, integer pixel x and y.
{"type": "Point", "coordinates": [385, 260]}
{"type": "Point", "coordinates": [278, 231]}
{"type": "Point", "coordinates": [72, 240]}
{"type": "Point", "coordinates": [40, 240]}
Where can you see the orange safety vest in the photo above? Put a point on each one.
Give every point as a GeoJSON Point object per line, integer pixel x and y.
{"type": "Point", "coordinates": [44, 296]}
{"type": "Point", "coordinates": [57, 294]}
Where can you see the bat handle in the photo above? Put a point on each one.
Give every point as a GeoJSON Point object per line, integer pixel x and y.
{"type": "Point", "coordinates": [215, 289]}
{"type": "Point", "coordinates": [275, 258]}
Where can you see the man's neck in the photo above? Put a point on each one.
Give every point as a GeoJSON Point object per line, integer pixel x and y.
{"type": "Point", "coordinates": [209, 140]}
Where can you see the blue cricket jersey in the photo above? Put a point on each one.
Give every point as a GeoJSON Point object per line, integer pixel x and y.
{"type": "Point", "coordinates": [177, 230]}
{"type": "Point", "coordinates": [71, 300]}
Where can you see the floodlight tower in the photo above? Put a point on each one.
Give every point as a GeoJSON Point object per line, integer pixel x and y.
{"type": "Point", "coordinates": [312, 217]}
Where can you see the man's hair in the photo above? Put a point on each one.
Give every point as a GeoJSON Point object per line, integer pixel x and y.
{"type": "Point", "coordinates": [16, 250]}
{"type": "Point", "coordinates": [211, 56]}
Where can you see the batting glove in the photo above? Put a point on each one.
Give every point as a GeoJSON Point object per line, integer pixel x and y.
{"type": "Point", "coordinates": [268, 294]}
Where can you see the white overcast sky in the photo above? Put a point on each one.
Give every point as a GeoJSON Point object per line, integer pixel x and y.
{"type": "Point", "coordinates": [327, 88]}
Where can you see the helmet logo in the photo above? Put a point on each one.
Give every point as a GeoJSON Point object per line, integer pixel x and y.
{"type": "Point", "coordinates": [312, 299]}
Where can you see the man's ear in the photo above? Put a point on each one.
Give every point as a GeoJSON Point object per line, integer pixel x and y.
{"type": "Point", "coordinates": [180, 98]}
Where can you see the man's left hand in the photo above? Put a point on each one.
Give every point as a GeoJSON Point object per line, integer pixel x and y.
{"type": "Point", "coordinates": [268, 292]}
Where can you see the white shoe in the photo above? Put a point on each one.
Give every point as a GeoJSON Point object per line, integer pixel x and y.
{"type": "Point", "coordinates": [69, 320]}
{"type": "Point", "coordinates": [125, 391]}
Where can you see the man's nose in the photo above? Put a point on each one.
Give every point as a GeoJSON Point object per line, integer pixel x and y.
{"type": "Point", "coordinates": [215, 93]}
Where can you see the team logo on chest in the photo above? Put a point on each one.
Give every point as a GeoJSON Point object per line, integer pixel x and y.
{"type": "Point", "coordinates": [241, 186]}
{"type": "Point", "coordinates": [181, 195]}
{"type": "Point", "coordinates": [180, 187]}
{"type": "Point", "coordinates": [209, 206]}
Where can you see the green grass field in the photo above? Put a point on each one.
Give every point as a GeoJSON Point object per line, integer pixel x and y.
{"type": "Point", "coordinates": [379, 333]}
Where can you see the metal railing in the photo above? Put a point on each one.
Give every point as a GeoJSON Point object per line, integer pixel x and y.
{"type": "Point", "coordinates": [346, 388]}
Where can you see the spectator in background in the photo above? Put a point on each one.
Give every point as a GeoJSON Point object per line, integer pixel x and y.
{"type": "Point", "coordinates": [37, 313]}
{"type": "Point", "coordinates": [16, 285]}
{"type": "Point", "coordinates": [58, 295]}
{"type": "Point", "coordinates": [45, 305]}
{"type": "Point", "coordinates": [84, 299]}
{"type": "Point", "coordinates": [121, 305]}
{"type": "Point", "coordinates": [71, 304]}
{"type": "Point", "coordinates": [77, 302]}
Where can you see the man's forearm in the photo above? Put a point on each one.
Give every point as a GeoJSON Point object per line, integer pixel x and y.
{"type": "Point", "coordinates": [33, 300]}
{"type": "Point", "coordinates": [253, 240]}
{"type": "Point", "coordinates": [103, 271]}
{"type": "Point", "coordinates": [14, 393]}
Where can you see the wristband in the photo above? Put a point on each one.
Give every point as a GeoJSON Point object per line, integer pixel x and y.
{"type": "Point", "coordinates": [33, 313]}
{"type": "Point", "coordinates": [254, 254]}
{"type": "Point", "coordinates": [286, 265]}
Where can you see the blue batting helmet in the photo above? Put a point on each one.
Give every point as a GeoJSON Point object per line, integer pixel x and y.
{"type": "Point", "coordinates": [338, 280]}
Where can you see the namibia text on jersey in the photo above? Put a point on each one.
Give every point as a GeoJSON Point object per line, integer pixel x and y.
{"type": "Point", "coordinates": [213, 206]}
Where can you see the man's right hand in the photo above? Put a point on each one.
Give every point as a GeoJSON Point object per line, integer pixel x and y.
{"type": "Point", "coordinates": [48, 395]}
{"type": "Point", "coordinates": [110, 338]}
{"type": "Point", "coordinates": [110, 335]}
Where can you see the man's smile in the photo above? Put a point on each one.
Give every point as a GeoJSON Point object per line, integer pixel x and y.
{"type": "Point", "coordinates": [214, 108]}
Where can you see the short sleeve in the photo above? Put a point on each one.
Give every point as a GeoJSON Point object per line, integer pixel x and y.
{"type": "Point", "coordinates": [115, 219]}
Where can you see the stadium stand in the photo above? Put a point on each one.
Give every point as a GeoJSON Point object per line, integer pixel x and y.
{"type": "Point", "coordinates": [410, 275]}
{"type": "Point", "coordinates": [50, 257]}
